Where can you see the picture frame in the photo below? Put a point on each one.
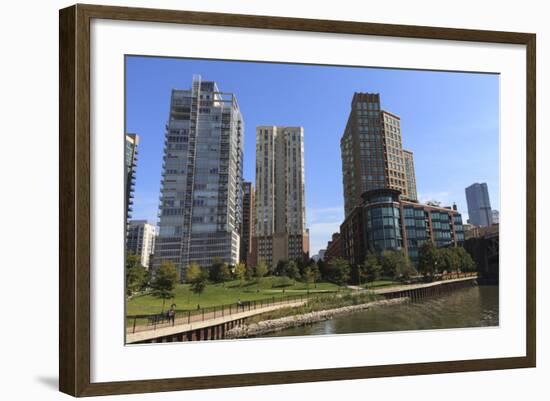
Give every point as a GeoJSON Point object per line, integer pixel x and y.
{"type": "Point", "coordinates": [75, 201]}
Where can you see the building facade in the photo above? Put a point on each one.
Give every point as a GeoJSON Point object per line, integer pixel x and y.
{"type": "Point", "coordinates": [386, 221]}
{"type": "Point", "coordinates": [334, 248]}
{"type": "Point", "coordinates": [479, 205]}
{"type": "Point", "coordinates": [200, 208]}
{"type": "Point", "coordinates": [408, 161]}
{"type": "Point", "coordinates": [280, 226]}
{"type": "Point", "coordinates": [247, 227]}
{"type": "Point", "coordinates": [141, 240]}
{"type": "Point", "coordinates": [130, 161]}
{"type": "Point", "coordinates": [372, 152]}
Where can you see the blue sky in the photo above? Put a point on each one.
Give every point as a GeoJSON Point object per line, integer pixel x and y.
{"type": "Point", "coordinates": [449, 120]}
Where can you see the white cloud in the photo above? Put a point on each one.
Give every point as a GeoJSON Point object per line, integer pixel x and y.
{"type": "Point", "coordinates": [322, 223]}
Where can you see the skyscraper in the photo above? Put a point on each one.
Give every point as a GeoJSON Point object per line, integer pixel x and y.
{"type": "Point", "coordinates": [201, 186]}
{"type": "Point", "coordinates": [408, 161]}
{"type": "Point", "coordinates": [479, 205]}
{"type": "Point", "coordinates": [141, 240]}
{"type": "Point", "coordinates": [280, 232]}
{"type": "Point", "coordinates": [372, 152]}
{"type": "Point", "coordinates": [247, 226]}
{"type": "Point", "coordinates": [130, 161]}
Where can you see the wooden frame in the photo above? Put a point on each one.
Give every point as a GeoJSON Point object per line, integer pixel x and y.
{"type": "Point", "coordinates": [74, 203]}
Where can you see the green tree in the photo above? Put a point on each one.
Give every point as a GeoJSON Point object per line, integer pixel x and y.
{"type": "Point", "coordinates": [316, 273]}
{"type": "Point", "coordinates": [260, 270]}
{"type": "Point", "coordinates": [249, 272]}
{"type": "Point", "coordinates": [450, 259]}
{"type": "Point", "coordinates": [465, 260]}
{"type": "Point", "coordinates": [338, 271]}
{"type": "Point", "coordinates": [428, 259]}
{"type": "Point", "coordinates": [225, 273]}
{"type": "Point", "coordinates": [136, 274]}
{"type": "Point", "coordinates": [292, 270]}
{"type": "Point", "coordinates": [196, 278]}
{"type": "Point", "coordinates": [280, 268]}
{"type": "Point", "coordinates": [389, 260]}
{"type": "Point", "coordinates": [240, 272]}
{"type": "Point", "coordinates": [164, 282]}
{"type": "Point", "coordinates": [217, 272]}
{"type": "Point", "coordinates": [371, 267]}
{"type": "Point", "coordinates": [323, 270]}
{"type": "Point", "coordinates": [308, 276]}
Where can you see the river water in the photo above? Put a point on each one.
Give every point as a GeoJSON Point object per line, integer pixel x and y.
{"type": "Point", "coordinates": [469, 307]}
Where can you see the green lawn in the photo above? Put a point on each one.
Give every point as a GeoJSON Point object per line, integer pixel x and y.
{"type": "Point", "coordinates": [382, 283]}
{"type": "Point", "coordinates": [218, 294]}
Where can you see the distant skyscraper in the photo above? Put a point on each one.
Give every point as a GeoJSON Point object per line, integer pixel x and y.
{"type": "Point", "coordinates": [280, 232]}
{"type": "Point", "coordinates": [372, 152]}
{"type": "Point", "coordinates": [130, 159]}
{"type": "Point", "coordinates": [201, 187]}
{"type": "Point", "coordinates": [479, 205]}
{"type": "Point", "coordinates": [141, 240]}
{"type": "Point", "coordinates": [247, 227]}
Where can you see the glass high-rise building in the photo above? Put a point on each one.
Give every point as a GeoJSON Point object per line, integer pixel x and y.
{"type": "Point", "coordinates": [372, 153]}
{"type": "Point", "coordinates": [130, 161]}
{"type": "Point", "coordinates": [479, 205]}
{"type": "Point", "coordinates": [201, 187]}
{"type": "Point", "coordinates": [280, 232]}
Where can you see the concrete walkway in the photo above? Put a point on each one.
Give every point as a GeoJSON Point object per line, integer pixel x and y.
{"type": "Point", "coordinates": [183, 328]}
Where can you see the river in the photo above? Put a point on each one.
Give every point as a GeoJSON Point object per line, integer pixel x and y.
{"type": "Point", "coordinates": [469, 307]}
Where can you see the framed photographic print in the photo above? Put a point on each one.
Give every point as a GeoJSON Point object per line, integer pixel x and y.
{"type": "Point", "coordinates": [250, 200]}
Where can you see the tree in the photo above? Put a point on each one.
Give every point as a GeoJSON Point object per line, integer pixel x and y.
{"type": "Point", "coordinates": [465, 260]}
{"type": "Point", "coordinates": [450, 260]}
{"type": "Point", "coordinates": [338, 271]}
{"type": "Point", "coordinates": [316, 273]}
{"type": "Point", "coordinates": [292, 270]}
{"type": "Point", "coordinates": [323, 269]}
{"type": "Point", "coordinates": [372, 267]}
{"type": "Point", "coordinates": [225, 273]}
{"type": "Point", "coordinates": [393, 263]}
{"type": "Point", "coordinates": [428, 259]}
{"type": "Point", "coordinates": [219, 271]}
{"type": "Point", "coordinates": [308, 276]}
{"type": "Point", "coordinates": [164, 281]}
{"type": "Point", "coordinates": [240, 272]}
{"type": "Point", "coordinates": [280, 268]}
{"type": "Point", "coordinates": [260, 270]}
{"type": "Point", "coordinates": [136, 274]}
{"type": "Point", "coordinates": [249, 272]}
{"type": "Point", "coordinates": [196, 278]}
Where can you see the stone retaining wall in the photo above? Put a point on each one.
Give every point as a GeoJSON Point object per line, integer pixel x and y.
{"type": "Point", "coordinates": [270, 326]}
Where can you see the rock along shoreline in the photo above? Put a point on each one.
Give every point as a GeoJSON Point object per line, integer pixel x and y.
{"type": "Point", "coordinates": [287, 322]}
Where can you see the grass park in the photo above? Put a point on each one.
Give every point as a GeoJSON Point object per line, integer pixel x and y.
{"type": "Point", "coordinates": [226, 293]}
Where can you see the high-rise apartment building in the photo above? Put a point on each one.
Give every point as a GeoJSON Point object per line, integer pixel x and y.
{"type": "Point", "coordinates": [479, 205]}
{"type": "Point", "coordinates": [408, 161]}
{"type": "Point", "coordinates": [130, 161]}
{"type": "Point", "coordinates": [372, 152]}
{"type": "Point", "coordinates": [141, 240]}
{"type": "Point", "coordinates": [201, 187]}
{"type": "Point", "coordinates": [280, 232]}
{"type": "Point", "coordinates": [247, 226]}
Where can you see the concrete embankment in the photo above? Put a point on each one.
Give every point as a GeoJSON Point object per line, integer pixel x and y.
{"type": "Point", "coordinates": [270, 326]}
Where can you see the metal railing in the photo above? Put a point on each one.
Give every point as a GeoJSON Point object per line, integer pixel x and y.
{"type": "Point", "coordinates": [139, 323]}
